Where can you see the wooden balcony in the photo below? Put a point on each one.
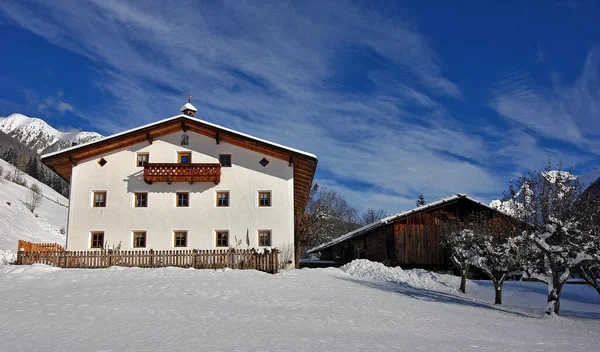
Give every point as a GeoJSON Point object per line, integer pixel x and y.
{"type": "Point", "coordinates": [174, 172]}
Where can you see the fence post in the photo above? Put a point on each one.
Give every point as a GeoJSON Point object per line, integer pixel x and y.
{"type": "Point", "coordinates": [20, 254]}
{"type": "Point", "coordinates": [151, 258]}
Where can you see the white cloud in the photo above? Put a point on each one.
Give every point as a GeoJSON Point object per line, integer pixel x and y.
{"type": "Point", "coordinates": [267, 69]}
{"type": "Point", "coordinates": [62, 106]}
{"type": "Point", "coordinates": [50, 104]}
{"type": "Point", "coordinates": [568, 112]}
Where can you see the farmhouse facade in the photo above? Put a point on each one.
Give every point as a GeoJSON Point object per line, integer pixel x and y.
{"type": "Point", "coordinates": [411, 238]}
{"type": "Point", "coordinates": [183, 183]}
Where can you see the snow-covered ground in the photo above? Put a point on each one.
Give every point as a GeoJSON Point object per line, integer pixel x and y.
{"type": "Point", "coordinates": [519, 296]}
{"type": "Point", "coordinates": [18, 223]}
{"type": "Point", "coordinates": [171, 309]}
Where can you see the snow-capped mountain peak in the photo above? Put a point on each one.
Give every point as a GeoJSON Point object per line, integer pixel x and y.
{"type": "Point", "coordinates": [39, 136]}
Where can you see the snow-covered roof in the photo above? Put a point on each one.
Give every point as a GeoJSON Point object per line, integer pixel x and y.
{"type": "Point", "coordinates": [174, 118]}
{"type": "Point", "coordinates": [188, 106]}
{"type": "Point", "coordinates": [392, 218]}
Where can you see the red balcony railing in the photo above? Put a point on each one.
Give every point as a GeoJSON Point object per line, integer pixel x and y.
{"type": "Point", "coordinates": [174, 172]}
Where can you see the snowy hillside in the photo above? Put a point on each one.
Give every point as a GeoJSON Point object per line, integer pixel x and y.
{"type": "Point", "coordinates": [18, 223]}
{"type": "Point", "coordinates": [39, 136]}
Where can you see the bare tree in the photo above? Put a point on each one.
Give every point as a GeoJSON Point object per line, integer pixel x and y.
{"type": "Point", "coordinates": [326, 217]}
{"type": "Point", "coordinates": [35, 197]}
{"type": "Point", "coordinates": [371, 215]}
{"type": "Point", "coordinates": [16, 176]}
{"type": "Point", "coordinates": [559, 227]}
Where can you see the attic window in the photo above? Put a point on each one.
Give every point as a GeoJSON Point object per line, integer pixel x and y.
{"type": "Point", "coordinates": [264, 162]}
{"type": "Point", "coordinates": [102, 162]}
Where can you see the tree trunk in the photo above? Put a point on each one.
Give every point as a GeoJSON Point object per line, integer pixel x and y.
{"type": "Point", "coordinates": [463, 279]}
{"type": "Point", "coordinates": [554, 290]}
{"type": "Point", "coordinates": [498, 290]}
{"type": "Point", "coordinates": [297, 254]}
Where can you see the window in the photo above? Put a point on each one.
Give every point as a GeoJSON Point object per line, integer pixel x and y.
{"type": "Point", "coordinates": [264, 198]}
{"type": "Point", "coordinates": [97, 240]}
{"type": "Point", "coordinates": [100, 199]}
{"type": "Point", "coordinates": [223, 199]}
{"type": "Point", "coordinates": [141, 200]}
{"type": "Point", "coordinates": [180, 239]}
{"type": "Point", "coordinates": [184, 157]}
{"type": "Point", "coordinates": [183, 199]}
{"type": "Point", "coordinates": [264, 238]}
{"type": "Point", "coordinates": [141, 159]}
{"type": "Point", "coordinates": [102, 162]}
{"type": "Point", "coordinates": [225, 160]}
{"type": "Point", "coordinates": [139, 239]}
{"type": "Point", "coordinates": [264, 162]}
{"type": "Point", "coordinates": [222, 239]}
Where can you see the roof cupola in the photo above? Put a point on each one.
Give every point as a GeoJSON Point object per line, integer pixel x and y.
{"type": "Point", "coordinates": [189, 109]}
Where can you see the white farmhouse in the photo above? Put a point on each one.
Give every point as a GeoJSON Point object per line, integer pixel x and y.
{"type": "Point", "coordinates": [183, 183]}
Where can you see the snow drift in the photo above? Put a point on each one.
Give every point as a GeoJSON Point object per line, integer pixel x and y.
{"type": "Point", "coordinates": [418, 278]}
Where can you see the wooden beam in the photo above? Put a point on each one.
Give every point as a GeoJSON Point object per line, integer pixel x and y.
{"type": "Point", "coordinates": [148, 137]}
{"type": "Point", "coordinates": [183, 126]}
{"type": "Point", "coordinates": [217, 137]}
{"type": "Point", "coordinates": [73, 161]}
{"type": "Point", "coordinates": [291, 161]}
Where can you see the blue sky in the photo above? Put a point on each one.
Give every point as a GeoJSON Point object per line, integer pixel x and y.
{"type": "Point", "coordinates": [395, 98]}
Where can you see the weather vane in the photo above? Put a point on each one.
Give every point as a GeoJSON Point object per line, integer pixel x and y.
{"type": "Point", "coordinates": [189, 98]}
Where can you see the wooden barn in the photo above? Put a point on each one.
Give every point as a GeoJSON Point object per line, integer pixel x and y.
{"type": "Point", "coordinates": [409, 239]}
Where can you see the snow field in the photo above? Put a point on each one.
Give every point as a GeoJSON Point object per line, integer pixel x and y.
{"type": "Point", "coordinates": [173, 309]}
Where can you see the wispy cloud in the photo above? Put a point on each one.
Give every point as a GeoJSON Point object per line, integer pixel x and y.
{"type": "Point", "coordinates": [47, 104]}
{"type": "Point", "coordinates": [539, 55]}
{"type": "Point", "coordinates": [280, 70]}
{"type": "Point", "coordinates": [569, 111]}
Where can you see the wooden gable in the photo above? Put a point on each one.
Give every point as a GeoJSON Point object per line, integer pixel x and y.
{"type": "Point", "coordinates": [304, 165]}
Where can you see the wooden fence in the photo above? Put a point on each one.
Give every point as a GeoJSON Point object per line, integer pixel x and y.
{"type": "Point", "coordinates": [39, 247]}
{"type": "Point", "coordinates": [266, 260]}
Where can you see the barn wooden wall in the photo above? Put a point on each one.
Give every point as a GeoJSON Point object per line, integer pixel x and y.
{"type": "Point", "coordinates": [377, 245]}
{"type": "Point", "coordinates": [417, 240]}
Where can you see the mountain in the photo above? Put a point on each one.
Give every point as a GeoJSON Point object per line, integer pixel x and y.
{"type": "Point", "coordinates": [37, 135]}
{"type": "Point", "coordinates": [590, 178]}
{"type": "Point", "coordinates": [590, 182]}
{"type": "Point", "coordinates": [47, 224]}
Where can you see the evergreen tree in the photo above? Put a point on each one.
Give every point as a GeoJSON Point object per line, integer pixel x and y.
{"type": "Point", "coordinates": [56, 184]}
{"type": "Point", "coordinates": [421, 201]}
{"type": "Point", "coordinates": [32, 168]}
{"type": "Point", "coordinates": [10, 156]}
